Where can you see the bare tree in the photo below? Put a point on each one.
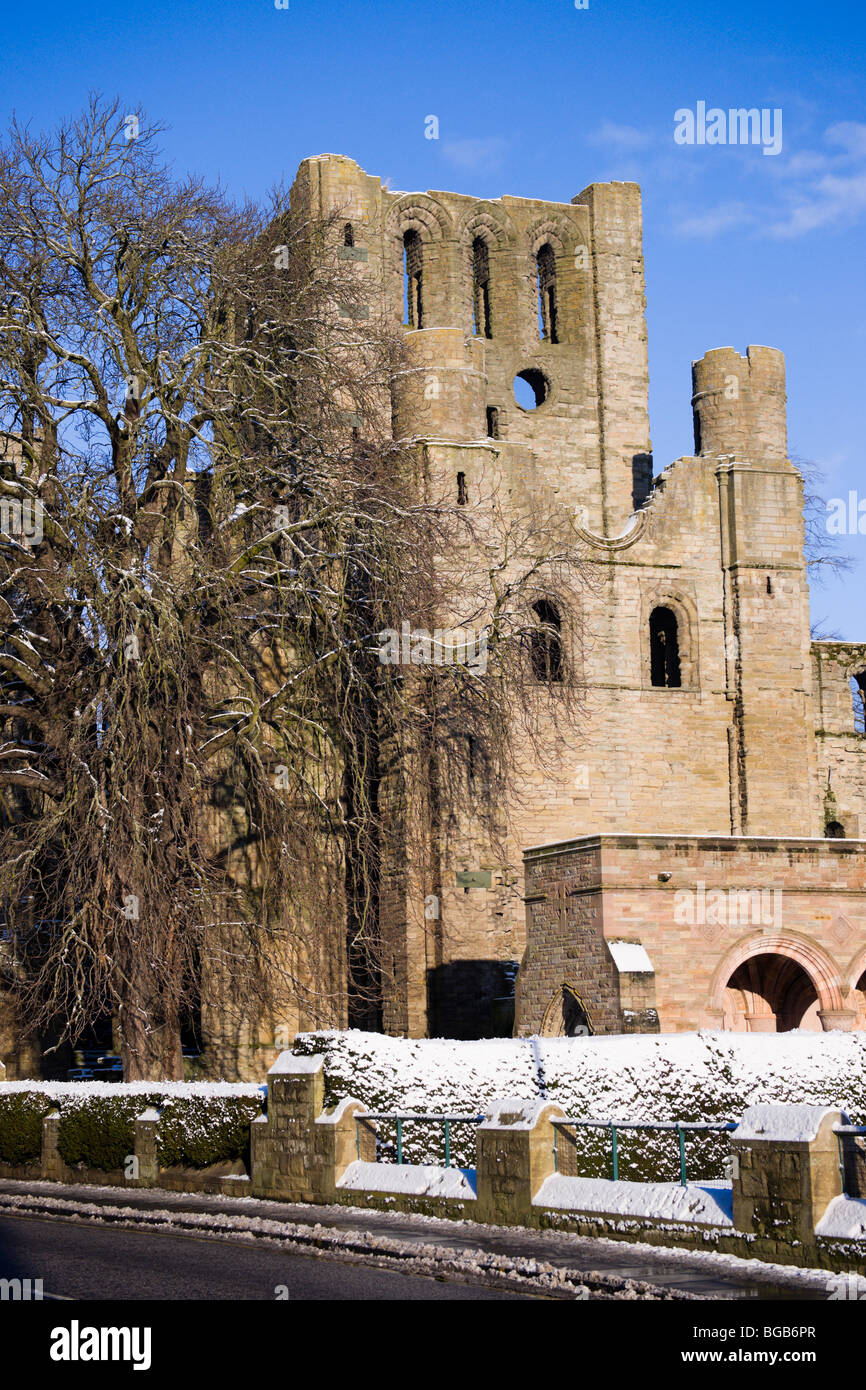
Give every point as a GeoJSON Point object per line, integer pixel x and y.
{"type": "Point", "coordinates": [206, 528]}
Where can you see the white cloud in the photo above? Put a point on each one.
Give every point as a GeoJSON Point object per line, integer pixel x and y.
{"type": "Point", "coordinates": [623, 137]}
{"type": "Point", "coordinates": [811, 189]}
{"type": "Point", "coordinates": [479, 153]}
{"type": "Point", "coordinates": [714, 220]}
{"type": "Point", "coordinates": [828, 189]}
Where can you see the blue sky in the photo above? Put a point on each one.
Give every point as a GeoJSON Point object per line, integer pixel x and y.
{"type": "Point", "coordinates": [539, 99]}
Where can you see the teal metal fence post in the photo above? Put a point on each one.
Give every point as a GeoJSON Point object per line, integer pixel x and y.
{"type": "Point", "coordinates": [613, 1152]}
{"type": "Point", "coordinates": [682, 1155]}
{"type": "Point", "coordinates": [447, 1144]}
{"type": "Point", "coordinates": [357, 1138]}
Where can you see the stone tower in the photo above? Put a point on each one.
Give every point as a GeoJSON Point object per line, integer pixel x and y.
{"type": "Point", "coordinates": [737, 736]}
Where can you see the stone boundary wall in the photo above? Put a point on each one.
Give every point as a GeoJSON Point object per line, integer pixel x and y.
{"type": "Point", "coordinates": [228, 1179]}
{"type": "Point", "coordinates": [785, 1161]}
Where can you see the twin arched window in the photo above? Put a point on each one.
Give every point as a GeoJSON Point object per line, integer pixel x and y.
{"type": "Point", "coordinates": [481, 318]}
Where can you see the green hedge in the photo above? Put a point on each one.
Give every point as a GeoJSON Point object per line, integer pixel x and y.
{"type": "Point", "coordinates": [21, 1115]}
{"type": "Point", "coordinates": [99, 1131]}
{"type": "Point", "coordinates": [197, 1133]}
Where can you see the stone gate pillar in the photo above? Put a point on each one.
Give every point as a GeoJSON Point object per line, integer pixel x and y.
{"type": "Point", "coordinates": [515, 1155]}
{"type": "Point", "coordinates": [299, 1150]}
{"type": "Point", "coordinates": [786, 1170]}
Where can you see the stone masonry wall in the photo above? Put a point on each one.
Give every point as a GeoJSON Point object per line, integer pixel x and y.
{"type": "Point", "coordinates": [817, 920]}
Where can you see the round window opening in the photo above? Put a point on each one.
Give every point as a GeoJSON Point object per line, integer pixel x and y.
{"type": "Point", "coordinates": [531, 388]}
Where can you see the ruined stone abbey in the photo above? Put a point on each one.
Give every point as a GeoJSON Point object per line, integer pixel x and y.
{"type": "Point", "coordinates": [693, 855]}
{"type": "Point", "coordinates": [695, 859]}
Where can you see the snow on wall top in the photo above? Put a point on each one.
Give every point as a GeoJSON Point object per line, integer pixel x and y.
{"type": "Point", "coordinates": [287, 1062]}
{"type": "Point", "coordinates": [513, 1114]}
{"type": "Point", "coordinates": [845, 1218]}
{"type": "Point", "coordinates": [630, 958]}
{"type": "Point", "coordinates": [172, 1090]}
{"type": "Point", "coordinates": [422, 1180]}
{"type": "Point", "coordinates": [796, 1123]}
{"type": "Point", "coordinates": [708, 1204]}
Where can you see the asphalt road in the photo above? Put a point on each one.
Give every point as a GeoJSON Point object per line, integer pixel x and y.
{"type": "Point", "coordinates": [76, 1261]}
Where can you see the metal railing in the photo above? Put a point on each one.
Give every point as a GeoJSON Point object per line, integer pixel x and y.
{"type": "Point", "coordinates": [446, 1120]}
{"type": "Point", "coordinates": [682, 1127]}
{"type": "Point", "coordinates": [840, 1131]}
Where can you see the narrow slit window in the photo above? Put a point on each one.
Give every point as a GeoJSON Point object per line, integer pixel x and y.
{"type": "Point", "coordinates": [462, 494]}
{"type": "Point", "coordinates": [546, 642]}
{"type": "Point", "coordinates": [546, 267]}
{"type": "Point", "coordinates": [348, 235]}
{"type": "Point", "coordinates": [492, 422]}
{"type": "Point", "coordinates": [834, 830]}
{"type": "Point", "coordinates": [481, 288]}
{"type": "Point", "coordinates": [413, 274]}
{"type": "Point", "coordinates": [664, 649]}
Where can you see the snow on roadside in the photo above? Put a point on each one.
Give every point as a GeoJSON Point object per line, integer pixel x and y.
{"type": "Point", "coordinates": [521, 1273]}
{"type": "Point", "coordinates": [709, 1262]}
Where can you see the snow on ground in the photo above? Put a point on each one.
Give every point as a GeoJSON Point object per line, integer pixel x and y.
{"type": "Point", "coordinates": [417, 1179]}
{"type": "Point", "coordinates": [709, 1204]}
{"type": "Point", "coordinates": [527, 1274]}
{"type": "Point", "coordinates": [326, 1226]}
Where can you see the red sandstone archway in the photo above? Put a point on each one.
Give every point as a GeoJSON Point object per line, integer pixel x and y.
{"type": "Point", "coordinates": [771, 994]}
{"type": "Point", "coordinates": [774, 984]}
{"type": "Point", "coordinates": [566, 1016]}
{"type": "Point", "coordinates": [857, 996]}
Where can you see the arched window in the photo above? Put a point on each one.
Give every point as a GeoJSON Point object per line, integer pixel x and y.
{"type": "Point", "coordinates": [412, 257]}
{"type": "Point", "coordinates": [664, 648]}
{"type": "Point", "coordinates": [575, 1020]}
{"type": "Point", "coordinates": [546, 268]}
{"type": "Point", "coordinates": [348, 235]}
{"type": "Point", "coordinates": [546, 644]}
{"type": "Point", "coordinates": [858, 699]}
{"type": "Point", "coordinates": [834, 830]}
{"type": "Point", "coordinates": [481, 288]}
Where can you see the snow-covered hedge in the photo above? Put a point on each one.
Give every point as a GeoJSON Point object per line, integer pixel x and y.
{"type": "Point", "coordinates": [676, 1076]}
{"type": "Point", "coordinates": [200, 1122]}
